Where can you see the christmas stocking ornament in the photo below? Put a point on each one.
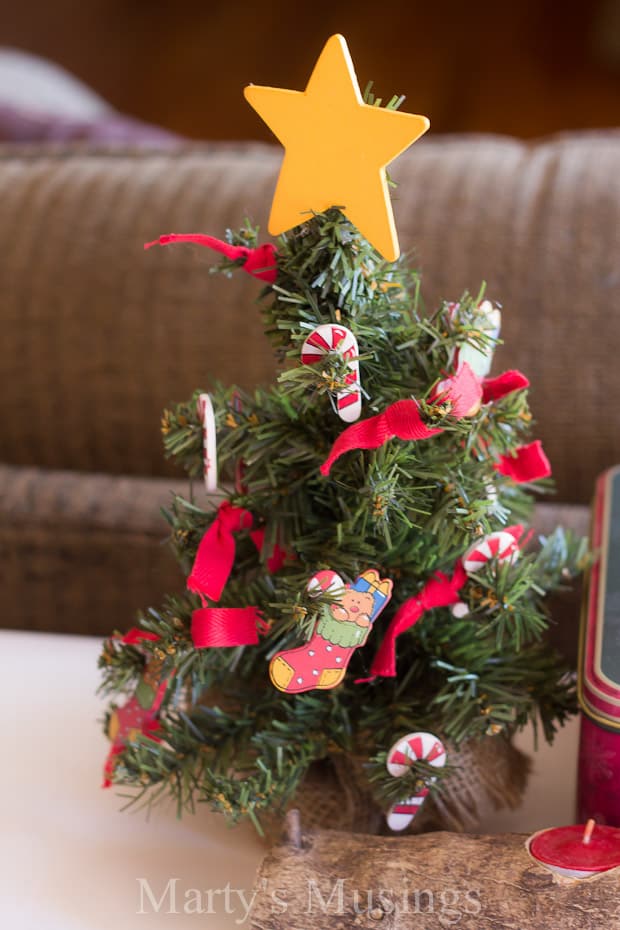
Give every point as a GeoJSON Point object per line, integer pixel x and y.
{"type": "Point", "coordinates": [342, 627]}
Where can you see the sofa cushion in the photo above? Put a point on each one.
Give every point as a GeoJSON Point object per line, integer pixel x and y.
{"type": "Point", "coordinates": [82, 553]}
{"type": "Point", "coordinates": [98, 336]}
{"type": "Point", "coordinates": [85, 553]}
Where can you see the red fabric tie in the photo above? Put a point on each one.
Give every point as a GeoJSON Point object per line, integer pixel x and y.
{"type": "Point", "coordinates": [278, 556]}
{"type": "Point", "coordinates": [526, 463]}
{"type": "Point", "coordinates": [439, 591]}
{"type": "Point", "coordinates": [216, 552]}
{"type": "Point", "coordinates": [403, 421]}
{"type": "Point", "coordinates": [259, 262]}
{"type": "Point", "coordinates": [506, 383]}
{"type": "Point", "coordinates": [463, 391]}
{"type": "Point", "coordinates": [135, 636]}
{"type": "Point", "coordinates": [226, 626]}
{"type": "Point", "coordinates": [216, 627]}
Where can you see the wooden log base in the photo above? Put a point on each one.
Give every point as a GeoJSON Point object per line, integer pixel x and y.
{"type": "Point", "coordinates": [326, 880]}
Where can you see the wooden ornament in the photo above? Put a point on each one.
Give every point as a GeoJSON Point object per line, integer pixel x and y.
{"type": "Point", "coordinates": [209, 441]}
{"type": "Point", "coordinates": [481, 359]}
{"type": "Point", "coordinates": [343, 627]}
{"type": "Point", "coordinates": [405, 751]}
{"type": "Point", "coordinates": [503, 545]}
{"type": "Point", "coordinates": [331, 337]}
{"type": "Point", "coordinates": [336, 149]}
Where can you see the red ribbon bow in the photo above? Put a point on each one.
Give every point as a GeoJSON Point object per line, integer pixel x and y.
{"type": "Point", "coordinates": [216, 552]}
{"type": "Point", "coordinates": [402, 419]}
{"type": "Point", "coordinates": [506, 383]}
{"type": "Point", "coordinates": [526, 463]}
{"type": "Point", "coordinates": [259, 262]}
{"type": "Point", "coordinates": [278, 556]}
{"type": "Point", "coordinates": [226, 626]}
{"type": "Point", "coordinates": [135, 636]}
{"type": "Point", "coordinates": [439, 591]}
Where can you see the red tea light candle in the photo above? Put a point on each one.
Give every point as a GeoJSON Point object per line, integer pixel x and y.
{"type": "Point", "coordinates": [577, 851]}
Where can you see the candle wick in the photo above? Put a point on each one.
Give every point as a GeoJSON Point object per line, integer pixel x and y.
{"type": "Point", "coordinates": [587, 833]}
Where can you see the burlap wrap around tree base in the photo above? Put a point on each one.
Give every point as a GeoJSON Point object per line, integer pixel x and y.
{"type": "Point", "coordinates": [336, 794]}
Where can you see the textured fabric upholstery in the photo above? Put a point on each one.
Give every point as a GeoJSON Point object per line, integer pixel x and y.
{"type": "Point", "coordinates": [98, 336]}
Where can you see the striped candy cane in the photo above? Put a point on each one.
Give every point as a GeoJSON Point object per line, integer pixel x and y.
{"type": "Point", "coordinates": [331, 337]}
{"type": "Point", "coordinates": [325, 582]}
{"type": "Point", "coordinates": [502, 545]}
{"type": "Point", "coordinates": [209, 441]}
{"type": "Point", "coordinates": [402, 755]}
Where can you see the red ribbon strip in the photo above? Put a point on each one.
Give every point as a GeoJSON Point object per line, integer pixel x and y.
{"type": "Point", "coordinates": [506, 383]}
{"type": "Point", "coordinates": [135, 636]}
{"type": "Point", "coordinates": [216, 552]}
{"type": "Point", "coordinates": [259, 262]}
{"type": "Point", "coordinates": [402, 419]}
{"type": "Point", "coordinates": [227, 626]}
{"type": "Point", "coordinates": [463, 391]}
{"type": "Point", "coordinates": [526, 463]}
{"type": "Point", "coordinates": [278, 556]}
{"type": "Point", "coordinates": [439, 591]}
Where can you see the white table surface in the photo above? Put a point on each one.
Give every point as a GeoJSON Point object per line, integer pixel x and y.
{"type": "Point", "coordinates": [71, 860]}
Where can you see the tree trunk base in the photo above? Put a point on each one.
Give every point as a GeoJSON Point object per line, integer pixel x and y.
{"type": "Point", "coordinates": [326, 880]}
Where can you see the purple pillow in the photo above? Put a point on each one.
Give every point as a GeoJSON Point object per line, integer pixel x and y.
{"type": "Point", "coordinates": [19, 124]}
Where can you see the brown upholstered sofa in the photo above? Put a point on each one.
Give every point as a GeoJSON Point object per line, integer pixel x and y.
{"type": "Point", "coordinates": [98, 335]}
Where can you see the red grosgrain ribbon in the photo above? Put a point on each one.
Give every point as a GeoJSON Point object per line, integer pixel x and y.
{"type": "Point", "coordinates": [216, 552]}
{"type": "Point", "coordinates": [402, 419]}
{"type": "Point", "coordinates": [506, 383]}
{"type": "Point", "coordinates": [526, 463]}
{"type": "Point", "coordinates": [278, 556]}
{"type": "Point", "coordinates": [439, 591]}
{"type": "Point", "coordinates": [135, 636]}
{"type": "Point", "coordinates": [259, 262]}
{"type": "Point", "coordinates": [462, 390]}
{"type": "Point", "coordinates": [226, 626]}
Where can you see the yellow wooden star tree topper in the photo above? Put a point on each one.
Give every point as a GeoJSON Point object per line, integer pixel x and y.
{"type": "Point", "coordinates": [336, 149]}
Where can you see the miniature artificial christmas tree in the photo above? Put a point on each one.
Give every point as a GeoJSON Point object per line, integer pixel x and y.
{"type": "Point", "coordinates": [382, 482]}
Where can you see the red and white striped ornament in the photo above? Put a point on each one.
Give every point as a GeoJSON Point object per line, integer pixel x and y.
{"type": "Point", "coordinates": [331, 337]}
{"type": "Point", "coordinates": [325, 582]}
{"type": "Point", "coordinates": [400, 758]}
{"type": "Point", "coordinates": [503, 546]}
{"type": "Point", "coordinates": [209, 441]}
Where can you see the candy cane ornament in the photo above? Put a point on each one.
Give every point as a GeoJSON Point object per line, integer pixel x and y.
{"type": "Point", "coordinates": [331, 337]}
{"type": "Point", "coordinates": [502, 545]}
{"type": "Point", "coordinates": [326, 582]}
{"type": "Point", "coordinates": [489, 320]}
{"type": "Point", "coordinates": [209, 441]}
{"type": "Point", "coordinates": [407, 750]}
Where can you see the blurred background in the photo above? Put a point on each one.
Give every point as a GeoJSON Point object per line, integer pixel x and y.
{"type": "Point", "coordinates": [525, 68]}
{"type": "Point", "coordinates": [98, 336]}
